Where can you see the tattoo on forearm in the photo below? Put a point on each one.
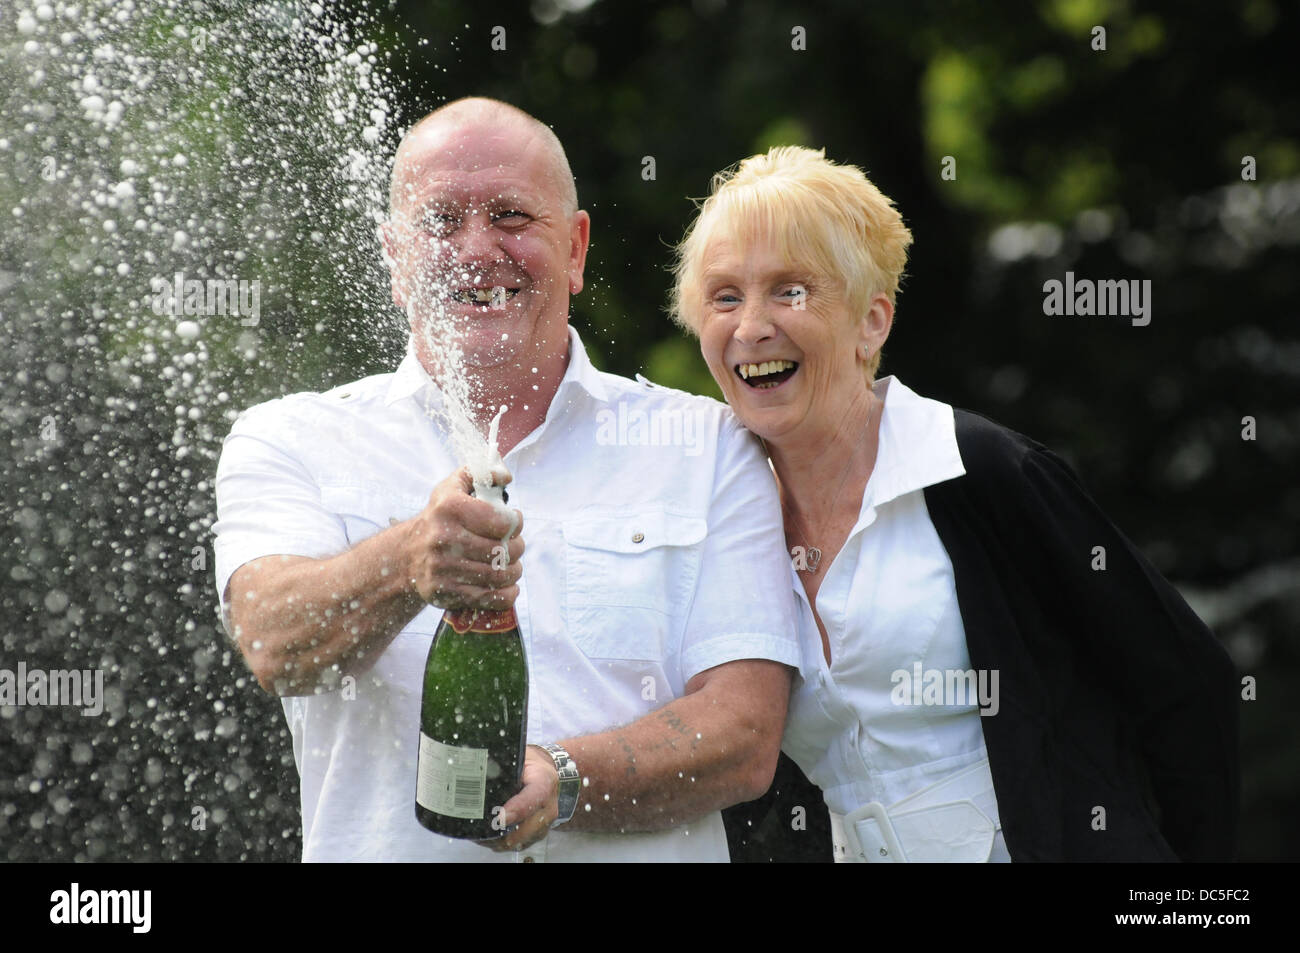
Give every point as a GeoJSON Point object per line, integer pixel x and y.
{"type": "Point", "coordinates": [674, 721]}
{"type": "Point", "coordinates": [629, 757]}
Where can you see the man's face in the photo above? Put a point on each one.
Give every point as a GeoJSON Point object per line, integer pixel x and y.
{"type": "Point", "coordinates": [482, 246]}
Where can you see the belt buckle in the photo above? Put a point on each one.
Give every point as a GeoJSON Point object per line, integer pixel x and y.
{"type": "Point", "coordinates": [887, 850]}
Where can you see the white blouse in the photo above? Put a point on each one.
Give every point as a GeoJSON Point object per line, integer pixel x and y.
{"type": "Point", "coordinates": [893, 711]}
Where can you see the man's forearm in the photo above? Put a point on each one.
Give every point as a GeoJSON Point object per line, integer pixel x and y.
{"type": "Point", "coordinates": [305, 623]}
{"type": "Point", "coordinates": [707, 750]}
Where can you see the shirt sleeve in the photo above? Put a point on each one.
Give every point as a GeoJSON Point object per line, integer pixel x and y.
{"type": "Point", "coordinates": [744, 605]}
{"type": "Point", "coordinates": [267, 501]}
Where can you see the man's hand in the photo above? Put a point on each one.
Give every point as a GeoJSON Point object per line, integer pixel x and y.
{"type": "Point", "coordinates": [528, 815]}
{"type": "Point", "coordinates": [454, 549]}
{"type": "Point", "coordinates": [302, 623]}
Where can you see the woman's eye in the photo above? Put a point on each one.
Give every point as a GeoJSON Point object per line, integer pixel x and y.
{"type": "Point", "coordinates": [725, 298]}
{"type": "Point", "coordinates": [799, 292]}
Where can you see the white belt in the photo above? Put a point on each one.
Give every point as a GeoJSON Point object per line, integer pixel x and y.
{"type": "Point", "coordinates": [953, 820]}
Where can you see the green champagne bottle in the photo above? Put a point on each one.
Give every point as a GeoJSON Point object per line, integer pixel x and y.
{"type": "Point", "coordinates": [473, 724]}
{"type": "Point", "coordinates": [474, 715]}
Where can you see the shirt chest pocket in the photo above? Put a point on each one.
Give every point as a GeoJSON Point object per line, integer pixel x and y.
{"type": "Point", "coordinates": [367, 510]}
{"type": "Point", "coordinates": [628, 576]}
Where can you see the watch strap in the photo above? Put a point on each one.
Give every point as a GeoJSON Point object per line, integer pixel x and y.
{"type": "Point", "coordinates": [570, 782]}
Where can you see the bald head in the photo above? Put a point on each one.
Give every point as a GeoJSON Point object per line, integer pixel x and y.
{"type": "Point", "coordinates": [478, 112]}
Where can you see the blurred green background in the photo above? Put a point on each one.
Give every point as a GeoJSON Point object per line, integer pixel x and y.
{"type": "Point", "coordinates": [1125, 162]}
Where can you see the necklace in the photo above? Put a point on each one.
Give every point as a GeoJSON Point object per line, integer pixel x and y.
{"type": "Point", "coordinates": [812, 555]}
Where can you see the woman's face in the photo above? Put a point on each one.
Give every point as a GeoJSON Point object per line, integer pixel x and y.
{"type": "Point", "coordinates": [760, 309]}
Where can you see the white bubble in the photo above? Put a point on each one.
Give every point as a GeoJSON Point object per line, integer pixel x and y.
{"type": "Point", "coordinates": [26, 23]}
{"type": "Point", "coordinates": [187, 330]}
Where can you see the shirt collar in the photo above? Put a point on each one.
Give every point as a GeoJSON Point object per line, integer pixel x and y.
{"type": "Point", "coordinates": [918, 443]}
{"type": "Point", "coordinates": [412, 380]}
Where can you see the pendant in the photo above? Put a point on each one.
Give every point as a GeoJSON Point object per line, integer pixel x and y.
{"type": "Point", "coordinates": [814, 558]}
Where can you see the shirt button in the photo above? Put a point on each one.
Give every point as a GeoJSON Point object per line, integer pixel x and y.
{"type": "Point", "coordinates": [528, 860]}
{"type": "Point", "coordinates": [638, 537]}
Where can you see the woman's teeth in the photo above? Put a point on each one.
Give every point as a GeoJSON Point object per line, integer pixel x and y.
{"type": "Point", "coordinates": [775, 373]}
{"type": "Point", "coordinates": [767, 367]}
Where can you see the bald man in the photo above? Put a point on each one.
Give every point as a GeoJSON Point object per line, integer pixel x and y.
{"type": "Point", "coordinates": [654, 595]}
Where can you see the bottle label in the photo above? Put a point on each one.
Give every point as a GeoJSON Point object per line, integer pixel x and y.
{"type": "Point", "coordinates": [480, 620]}
{"type": "Point", "coordinates": [451, 781]}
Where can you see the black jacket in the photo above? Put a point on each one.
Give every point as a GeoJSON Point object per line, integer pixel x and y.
{"type": "Point", "coordinates": [1113, 695]}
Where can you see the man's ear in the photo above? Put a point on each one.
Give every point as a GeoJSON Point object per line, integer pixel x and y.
{"type": "Point", "coordinates": [386, 233]}
{"type": "Point", "coordinates": [579, 240]}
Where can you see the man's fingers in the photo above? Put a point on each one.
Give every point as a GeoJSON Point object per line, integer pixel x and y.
{"type": "Point", "coordinates": [473, 597]}
{"type": "Point", "coordinates": [532, 830]}
{"type": "Point", "coordinates": [480, 550]}
{"type": "Point", "coordinates": [483, 519]}
{"type": "Point", "coordinates": [480, 576]}
{"type": "Point", "coordinates": [458, 559]}
{"type": "Point", "coordinates": [529, 806]}
{"type": "Point", "coordinates": [458, 482]}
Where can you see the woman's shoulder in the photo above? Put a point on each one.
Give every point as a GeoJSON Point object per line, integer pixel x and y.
{"type": "Point", "coordinates": [987, 445]}
{"type": "Point", "coordinates": [998, 458]}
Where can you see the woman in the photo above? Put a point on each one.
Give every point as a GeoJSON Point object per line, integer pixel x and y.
{"type": "Point", "coordinates": [975, 686]}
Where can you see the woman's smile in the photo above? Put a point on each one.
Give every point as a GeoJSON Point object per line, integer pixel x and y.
{"type": "Point", "coordinates": [767, 375]}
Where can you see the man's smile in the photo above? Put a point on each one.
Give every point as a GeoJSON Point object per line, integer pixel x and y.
{"type": "Point", "coordinates": [496, 296]}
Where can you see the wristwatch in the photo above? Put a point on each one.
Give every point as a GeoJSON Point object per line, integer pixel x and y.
{"type": "Point", "coordinates": [570, 782]}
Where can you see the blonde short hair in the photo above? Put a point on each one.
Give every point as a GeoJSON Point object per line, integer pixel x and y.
{"type": "Point", "coordinates": [826, 217]}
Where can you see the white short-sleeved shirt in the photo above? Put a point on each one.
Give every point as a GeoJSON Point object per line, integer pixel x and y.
{"type": "Point", "coordinates": [889, 605]}
{"type": "Point", "coordinates": [654, 552]}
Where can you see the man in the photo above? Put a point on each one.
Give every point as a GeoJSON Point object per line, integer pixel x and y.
{"type": "Point", "coordinates": [654, 594]}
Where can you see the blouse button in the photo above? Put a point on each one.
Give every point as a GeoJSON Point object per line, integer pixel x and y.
{"type": "Point", "coordinates": [638, 537]}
